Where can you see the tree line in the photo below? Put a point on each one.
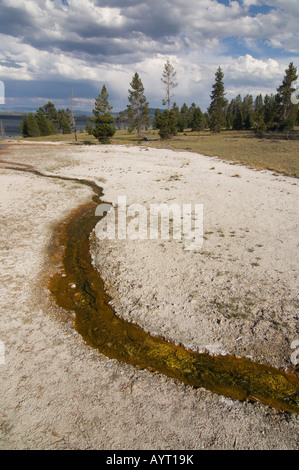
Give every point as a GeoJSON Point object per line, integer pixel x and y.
{"type": "Point", "coordinates": [47, 121]}
{"type": "Point", "coordinates": [262, 113]}
{"type": "Point", "coordinates": [274, 112]}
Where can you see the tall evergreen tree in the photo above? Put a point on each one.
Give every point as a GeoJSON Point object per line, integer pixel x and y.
{"type": "Point", "coordinates": [191, 111]}
{"type": "Point", "coordinates": [238, 120]}
{"type": "Point", "coordinates": [42, 123]}
{"type": "Point", "coordinates": [230, 113]}
{"type": "Point", "coordinates": [288, 111]}
{"type": "Point", "coordinates": [197, 122]}
{"type": "Point", "coordinates": [45, 125]}
{"type": "Point", "coordinates": [258, 103]}
{"type": "Point", "coordinates": [137, 110]}
{"type": "Point", "coordinates": [259, 115]}
{"type": "Point", "coordinates": [271, 112]}
{"type": "Point", "coordinates": [156, 118]}
{"type": "Point", "coordinates": [176, 114]}
{"type": "Point", "coordinates": [103, 127]}
{"type": "Point", "coordinates": [169, 82]}
{"type": "Point", "coordinates": [29, 126]}
{"type": "Point", "coordinates": [239, 113]}
{"type": "Point", "coordinates": [235, 108]}
{"type": "Point", "coordinates": [218, 103]}
{"type": "Point", "coordinates": [248, 112]}
{"type": "Point", "coordinates": [63, 122]}
{"type": "Point", "coordinates": [183, 118]}
{"type": "Point", "coordinates": [50, 113]}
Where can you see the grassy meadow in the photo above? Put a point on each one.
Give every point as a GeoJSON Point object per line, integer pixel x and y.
{"type": "Point", "coordinates": [244, 147]}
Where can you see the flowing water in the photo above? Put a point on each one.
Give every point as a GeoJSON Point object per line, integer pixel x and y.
{"type": "Point", "coordinates": [77, 287]}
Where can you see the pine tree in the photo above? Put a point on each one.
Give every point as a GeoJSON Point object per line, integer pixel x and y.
{"type": "Point", "coordinates": [288, 111]}
{"type": "Point", "coordinates": [50, 113]}
{"type": "Point", "coordinates": [89, 127]}
{"type": "Point", "coordinates": [259, 115]}
{"type": "Point", "coordinates": [176, 114]}
{"type": "Point", "coordinates": [156, 118]}
{"type": "Point", "coordinates": [169, 82]}
{"type": "Point", "coordinates": [248, 112]}
{"type": "Point", "coordinates": [190, 115]}
{"type": "Point", "coordinates": [183, 118]}
{"type": "Point", "coordinates": [23, 127]}
{"type": "Point", "coordinates": [42, 123]}
{"type": "Point", "coordinates": [45, 125]}
{"type": "Point", "coordinates": [167, 124]}
{"type": "Point", "coordinates": [104, 126]}
{"type": "Point", "coordinates": [239, 113]}
{"type": "Point", "coordinates": [238, 119]}
{"type": "Point", "coordinates": [271, 112]}
{"type": "Point", "coordinates": [218, 103]}
{"type": "Point", "coordinates": [230, 113]}
{"type": "Point", "coordinates": [63, 122]}
{"type": "Point", "coordinates": [197, 121]}
{"type": "Point", "coordinates": [237, 122]}
{"type": "Point", "coordinates": [137, 110]}
{"type": "Point", "coordinates": [29, 126]}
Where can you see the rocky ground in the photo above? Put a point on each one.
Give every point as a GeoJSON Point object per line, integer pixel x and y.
{"type": "Point", "coordinates": [237, 293]}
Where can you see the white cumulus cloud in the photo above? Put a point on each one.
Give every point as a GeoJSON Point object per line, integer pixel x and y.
{"type": "Point", "coordinates": [91, 42]}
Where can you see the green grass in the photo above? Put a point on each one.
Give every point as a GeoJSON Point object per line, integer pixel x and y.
{"type": "Point", "coordinates": [67, 138]}
{"type": "Point", "coordinates": [280, 156]}
{"type": "Point", "coordinates": [243, 147]}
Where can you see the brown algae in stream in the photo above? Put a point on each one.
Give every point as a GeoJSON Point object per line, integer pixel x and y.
{"type": "Point", "coordinates": [79, 288]}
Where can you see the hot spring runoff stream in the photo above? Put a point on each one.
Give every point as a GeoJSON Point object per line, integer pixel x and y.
{"type": "Point", "coordinates": [77, 287]}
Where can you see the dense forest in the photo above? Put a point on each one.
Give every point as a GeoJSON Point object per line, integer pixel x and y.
{"type": "Point", "coordinates": [276, 112]}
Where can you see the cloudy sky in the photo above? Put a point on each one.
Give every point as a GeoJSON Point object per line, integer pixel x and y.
{"type": "Point", "coordinates": [51, 48]}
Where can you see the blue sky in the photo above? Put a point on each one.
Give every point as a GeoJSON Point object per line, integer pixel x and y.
{"type": "Point", "coordinates": [51, 47]}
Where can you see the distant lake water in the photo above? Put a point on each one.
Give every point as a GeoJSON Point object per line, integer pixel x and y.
{"type": "Point", "coordinates": [11, 123]}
